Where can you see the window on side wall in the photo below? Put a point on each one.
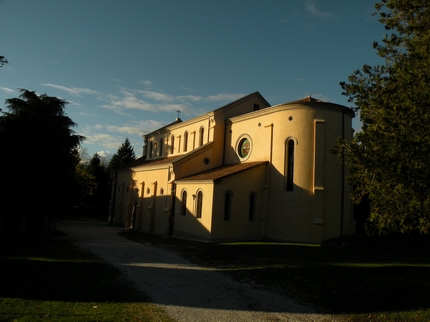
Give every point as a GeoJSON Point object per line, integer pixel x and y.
{"type": "Point", "coordinates": [201, 138]}
{"type": "Point", "coordinates": [172, 144]}
{"type": "Point", "coordinates": [289, 164]}
{"type": "Point", "coordinates": [150, 149]}
{"type": "Point", "coordinates": [185, 141]}
{"type": "Point", "coordinates": [161, 147]}
{"type": "Point", "coordinates": [184, 203]}
{"type": "Point", "coordinates": [199, 204]}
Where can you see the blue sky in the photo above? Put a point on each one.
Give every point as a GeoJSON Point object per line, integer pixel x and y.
{"type": "Point", "coordinates": [127, 66]}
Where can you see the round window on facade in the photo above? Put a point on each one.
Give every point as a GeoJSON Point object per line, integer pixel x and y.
{"type": "Point", "coordinates": [244, 147]}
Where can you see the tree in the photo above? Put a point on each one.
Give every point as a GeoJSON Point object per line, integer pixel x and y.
{"type": "Point", "coordinates": [38, 160]}
{"type": "Point", "coordinates": [98, 199]}
{"type": "Point", "coordinates": [124, 155]}
{"type": "Point", "coordinates": [3, 61]}
{"type": "Point", "coordinates": [388, 158]}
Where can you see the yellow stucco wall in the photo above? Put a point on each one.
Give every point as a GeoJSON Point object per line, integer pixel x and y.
{"type": "Point", "coordinates": [189, 225]}
{"type": "Point", "coordinates": [317, 208]}
{"type": "Point", "coordinates": [241, 185]}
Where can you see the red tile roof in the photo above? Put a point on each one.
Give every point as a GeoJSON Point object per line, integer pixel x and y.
{"type": "Point", "coordinates": [223, 171]}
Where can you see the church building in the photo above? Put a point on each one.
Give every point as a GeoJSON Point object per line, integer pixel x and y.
{"type": "Point", "coordinates": [245, 171]}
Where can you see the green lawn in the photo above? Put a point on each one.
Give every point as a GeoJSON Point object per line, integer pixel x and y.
{"type": "Point", "coordinates": [359, 279]}
{"type": "Point", "coordinates": [51, 280]}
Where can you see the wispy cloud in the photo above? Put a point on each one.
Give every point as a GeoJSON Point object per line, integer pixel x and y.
{"type": "Point", "coordinates": [146, 83]}
{"type": "Point", "coordinates": [313, 11]}
{"type": "Point", "coordinates": [155, 101]}
{"type": "Point", "coordinates": [106, 140]}
{"type": "Point", "coordinates": [148, 100]}
{"type": "Point", "coordinates": [131, 127]}
{"type": "Point", "coordinates": [7, 90]}
{"type": "Point", "coordinates": [72, 90]}
{"type": "Point", "coordinates": [157, 96]}
{"type": "Point", "coordinates": [143, 101]}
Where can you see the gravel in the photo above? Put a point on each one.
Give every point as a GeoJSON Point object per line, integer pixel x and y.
{"type": "Point", "coordinates": [187, 292]}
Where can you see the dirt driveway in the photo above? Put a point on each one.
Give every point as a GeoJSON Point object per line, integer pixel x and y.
{"type": "Point", "coordinates": [185, 291]}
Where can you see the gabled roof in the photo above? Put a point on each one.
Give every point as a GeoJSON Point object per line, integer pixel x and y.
{"type": "Point", "coordinates": [142, 161]}
{"type": "Point", "coordinates": [223, 171]}
{"type": "Point", "coordinates": [242, 99]}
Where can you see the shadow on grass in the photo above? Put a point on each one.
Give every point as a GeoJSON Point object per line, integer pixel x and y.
{"type": "Point", "coordinates": [56, 270]}
{"type": "Point", "coordinates": [354, 279]}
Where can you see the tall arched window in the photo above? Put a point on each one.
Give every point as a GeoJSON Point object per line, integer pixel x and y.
{"type": "Point", "coordinates": [227, 205]}
{"type": "Point", "coordinates": [184, 203]}
{"type": "Point", "coordinates": [201, 137]}
{"type": "Point", "coordinates": [199, 204]}
{"type": "Point", "coordinates": [289, 165]}
{"type": "Point", "coordinates": [172, 144]}
{"type": "Point", "coordinates": [251, 214]}
{"type": "Point", "coordinates": [185, 141]}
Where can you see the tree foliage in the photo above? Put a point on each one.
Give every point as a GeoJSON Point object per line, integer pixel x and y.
{"type": "Point", "coordinates": [124, 155]}
{"type": "Point", "coordinates": [39, 156]}
{"type": "Point", "coordinates": [100, 194]}
{"type": "Point", "coordinates": [388, 158]}
{"type": "Point", "coordinates": [3, 61]}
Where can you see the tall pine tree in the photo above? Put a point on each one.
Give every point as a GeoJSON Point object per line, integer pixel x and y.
{"type": "Point", "coordinates": [124, 155]}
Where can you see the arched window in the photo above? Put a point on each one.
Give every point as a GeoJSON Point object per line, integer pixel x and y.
{"type": "Point", "coordinates": [184, 203]}
{"type": "Point", "coordinates": [172, 144]}
{"type": "Point", "coordinates": [251, 214]}
{"type": "Point", "coordinates": [185, 141]}
{"type": "Point", "coordinates": [227, 205]}
{"type": "Point", "coordinates": [199, 204]}
{"type": "Point", "coordinates": [289, 165]}
{"type": "Point", "coordinates": [161, 147]}
{"type": "Point", "coordinates": [202, 133]}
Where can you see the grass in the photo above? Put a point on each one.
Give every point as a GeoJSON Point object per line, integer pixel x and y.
{"type": "Point", "coordinates": [356, 278]}
{"type": "Point", "coordinates": [51, 280]}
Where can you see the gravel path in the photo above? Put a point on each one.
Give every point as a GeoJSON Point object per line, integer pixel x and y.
{"type": "Point", "coordinates": [187, 292]}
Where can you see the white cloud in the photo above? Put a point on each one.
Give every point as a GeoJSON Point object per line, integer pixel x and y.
{"type": "Point", "coordinates": [106, 140]}
{"type": "Point", "coordinates": [124, 129]}
{"type": "Point", "coordinates": [106, 156]}
{"type": "Point", "coordinates": [146, 83]}
{"type": "Point", "coordinates": [136, 127]}
{"type": "Point", "coordinates": [191, 98]}
{"type": "Point", "coordinates": [131, 100]}
{"type": "Point", "coordinates": [313, 11]}
{"type": "Point", "coordinates": [7, 90]}
{"type": "Point", "coordinates": [156, 96]}
{"type": "Point", "coordinates": [72, 90]}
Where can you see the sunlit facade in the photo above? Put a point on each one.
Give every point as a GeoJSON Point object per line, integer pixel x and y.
{"type": "Point", "coordinates": [245, 171]}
